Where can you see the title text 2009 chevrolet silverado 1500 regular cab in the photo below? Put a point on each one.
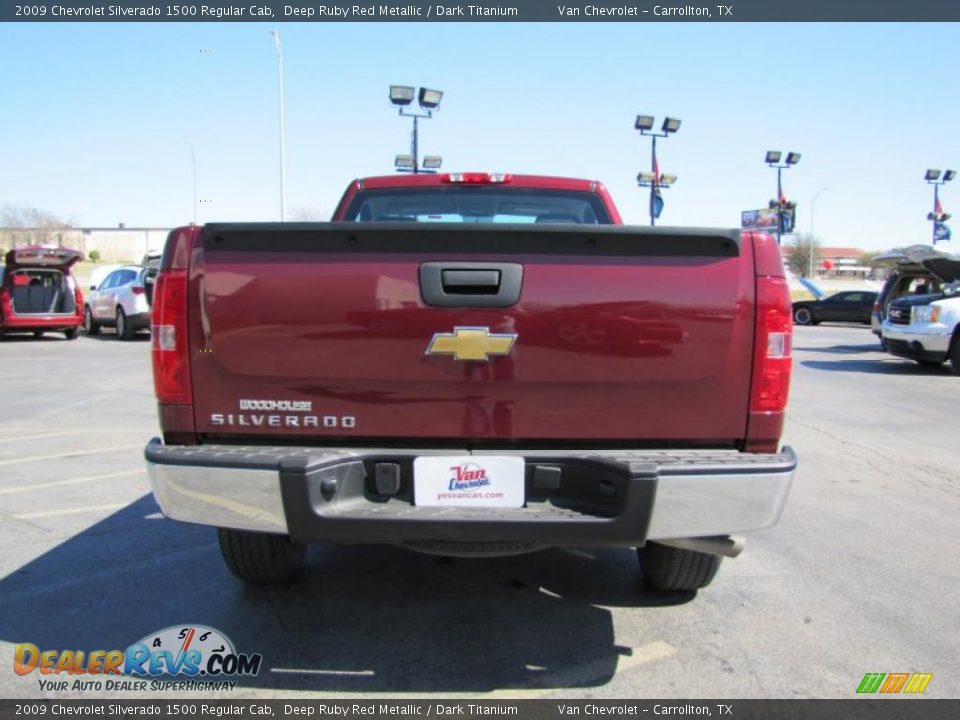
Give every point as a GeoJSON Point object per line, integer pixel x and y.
{"type": "Point", "coordinates": [472, 364]}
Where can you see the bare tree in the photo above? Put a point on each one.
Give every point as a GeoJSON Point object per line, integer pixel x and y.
{"type": "Point", "coordinates": [21, 225]}
{"type": "Point", "coordinates": [308, 213]}
{"type": "Point", "coordinates": [802, 246]}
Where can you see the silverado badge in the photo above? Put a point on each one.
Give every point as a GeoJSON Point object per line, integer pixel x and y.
{"type": "Point", "coordinates": [471, 343]}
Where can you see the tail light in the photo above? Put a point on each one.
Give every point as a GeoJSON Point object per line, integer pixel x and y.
{"type": "Point", "coordinates": [774, 346]}
{"type": "Point", "coordinates": [476, 178]}
{"type": "Point", "coordinates": [170, 353]}
{"type": "Point", "coordinates": [138, 290]}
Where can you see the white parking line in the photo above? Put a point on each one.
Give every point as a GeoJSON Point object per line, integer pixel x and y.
{"type": "Point", "coordinates": [72, 481]}
{"type": "Point", "coordinates": [73, 453]}
{"type": "Point", "coordinates": [43, 435]}
{"type": "Point", "coordinates": [68, 511]}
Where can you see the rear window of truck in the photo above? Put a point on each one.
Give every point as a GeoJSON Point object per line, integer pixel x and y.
{"type": "Point", "coordinates": [477, 205]}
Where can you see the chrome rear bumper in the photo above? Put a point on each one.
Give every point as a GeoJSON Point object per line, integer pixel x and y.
{"type": "Point", "coordinates": [579, 497]}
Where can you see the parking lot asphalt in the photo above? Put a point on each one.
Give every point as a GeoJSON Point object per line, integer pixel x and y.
{"type": "Point", "coordinates": [861, 575]}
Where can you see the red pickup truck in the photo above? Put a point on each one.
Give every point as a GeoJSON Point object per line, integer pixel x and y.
{"type": "Point", "coordinates": [472, 364]}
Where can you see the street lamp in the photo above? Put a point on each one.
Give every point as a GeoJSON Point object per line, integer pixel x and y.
{"type": "Point", "coordinates": [812, 203]}
{"type": "Point", "coordinates": [429, 101]}
{"type": "Point", "coordinates": [283, 173]}
{"type": "Point", "coordinates": [773, 160]}
{"type": "Point", "coordinates": [938, 216]}
{"type": "Point", "coordinates": [193, 154]}
{"type": "Point", "coordinates": [654, 180]}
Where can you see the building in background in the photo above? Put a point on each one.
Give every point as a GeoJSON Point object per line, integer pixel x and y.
{"type": "Point", "coordinates": [116, 245]}
{"type": "Point", "coordinates": [838, 262]}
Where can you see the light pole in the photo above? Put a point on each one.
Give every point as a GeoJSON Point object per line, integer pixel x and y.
{"type": "Point", "coordinates": [283, 172]}
{"type": "Point", "coordinates": [938, 216]}
{"type": "Point", "coordinates": [654, 180]}
{"type": "Point", "coordinates": [810, 250]}
{"type": "Point", "coordinates": [429, 100]}
{"type": "Point", "coordinates": [193, 154]}
{"type": "Point", "coordinates": [773, 160]}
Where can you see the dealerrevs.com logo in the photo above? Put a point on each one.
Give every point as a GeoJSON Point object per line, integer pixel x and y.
{"type": "Point", "coordinates": [180, 657]}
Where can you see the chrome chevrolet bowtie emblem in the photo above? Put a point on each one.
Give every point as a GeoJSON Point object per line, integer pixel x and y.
{"type": "Point", "coordinates": [471, 343]}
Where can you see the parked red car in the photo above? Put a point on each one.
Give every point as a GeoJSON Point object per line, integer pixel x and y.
{"type": "Point", "coordinates": [38, 293]}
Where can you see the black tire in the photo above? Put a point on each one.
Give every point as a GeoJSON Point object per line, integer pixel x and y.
{"type": "Point", "coordinates": [90, 326]}
{"type": "Point", "coordinates": [260, 558]}
{"type": "Point", "coordinates": [124, 331]}
{"type": "Point", "coordinates": [38, 334]}
{"type": "Point", "coordinates": [71, 333]}
{"type": "Point", "coordinates": [803, 316]}
{"type": "Point", "coordinates": [929, 363]}
{"type": "Point", "coordinates": [670, 568]}
{"type": "Point", "coordinates": [954, 355]}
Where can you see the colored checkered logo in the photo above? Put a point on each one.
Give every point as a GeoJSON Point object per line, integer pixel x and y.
{"type": "Point", "coordinates": [893, 683]}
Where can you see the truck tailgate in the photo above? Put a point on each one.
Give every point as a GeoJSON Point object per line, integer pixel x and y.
{"type": "Point", "coordinates": [330, 330]}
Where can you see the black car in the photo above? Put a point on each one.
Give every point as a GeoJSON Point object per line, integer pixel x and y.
{"type": "Point", "coordinates": [850, 306]}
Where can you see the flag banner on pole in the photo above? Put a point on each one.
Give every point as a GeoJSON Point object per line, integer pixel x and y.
{"type": "Point", "coordinates": [656, 203]}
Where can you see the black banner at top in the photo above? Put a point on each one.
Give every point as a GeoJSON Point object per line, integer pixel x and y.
{"type": "Point", "coordinates": [481, 11]}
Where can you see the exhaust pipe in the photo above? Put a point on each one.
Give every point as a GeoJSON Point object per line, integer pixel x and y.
{"type": "Point", "coordinates": [724, 545]}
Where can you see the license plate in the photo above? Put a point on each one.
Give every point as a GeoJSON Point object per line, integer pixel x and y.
{"type": "Point", "coordinates": [468, 481]}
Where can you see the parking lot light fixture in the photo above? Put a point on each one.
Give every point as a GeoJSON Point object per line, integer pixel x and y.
{"type": "Point", "coordinates": [644, 122]}
{"type": "Point", "coordinates": [773, 160]}
{"type": "Point", "coordinates": [671, 125]}
{"type": "Point", "coordinates": [667, 180]}
{"type": "Point", "coordinates": [949, 175]}
{"type": "Point", "coordinates": [403, 162]}
{"type": "Point", "coordinates": [654, 180]}
{"type": "Point", "coordinates": [432, 162]}
{"type": "Point", "coordinates": [402, 94]}
{"type": "Point", "coordinates": [932, 175]}
{"type": "Point", "coordinates": [429, 100]}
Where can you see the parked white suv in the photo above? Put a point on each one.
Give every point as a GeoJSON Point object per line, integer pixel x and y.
{"type": "Point", "coordinates": [120, 301]}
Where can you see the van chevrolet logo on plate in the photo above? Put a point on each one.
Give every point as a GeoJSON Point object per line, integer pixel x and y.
{"type": "Point", "coordinates": [471, 343]}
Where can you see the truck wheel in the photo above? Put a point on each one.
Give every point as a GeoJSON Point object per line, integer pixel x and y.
{"type": "Point", "coordinates": [803, 316]}
{"type": "Point", "coordinates": [71, 333]}
{"type": "Point", "coordinates": [260, 558]}
{"type": "Point", "coordinates": [670, 568]}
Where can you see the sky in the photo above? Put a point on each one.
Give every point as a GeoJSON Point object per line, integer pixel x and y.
{"type": "Point", "coordinates": [95, 119]}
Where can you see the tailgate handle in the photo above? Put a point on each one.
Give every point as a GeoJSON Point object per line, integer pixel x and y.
{"type": "Point", "coordinates": [470, 282]}
{"type": "Point", "coordinates": [466, 284]}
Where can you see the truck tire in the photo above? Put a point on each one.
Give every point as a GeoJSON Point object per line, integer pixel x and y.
{"type": "Point", "coordinates": [670, 568]}
{"type": "Point", "coordinates": [71, 333]}
{"type": "Point", "coordinates": [260, 558]}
